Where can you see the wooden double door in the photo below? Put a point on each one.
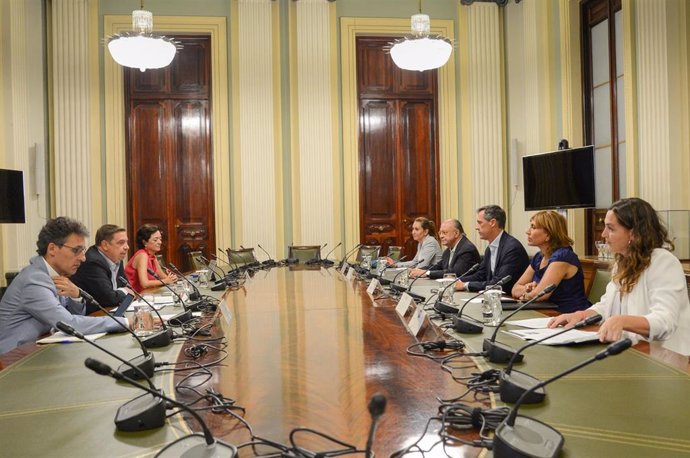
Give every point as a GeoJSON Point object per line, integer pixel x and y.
{"type": "Point", "coordinates": [398, 147]}
{"type": "Point", "coordinates": [169, 152]}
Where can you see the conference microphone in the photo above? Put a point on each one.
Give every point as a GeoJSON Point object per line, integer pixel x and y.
{"type": "Point", "coordinates": [377, 405]}
{"type": "Point", "coordinates": [317, 259]}
{"type": "Point", "coordinates": [470, 325]}
{"type": "Point", "coordinates": [348, 254]}
{"type": "Point", "coordinates": [501, 353]}
{"type": "Point", "coordinates": [270, 261]}
{"type": "Point", "coordinates": [213, 270]}
{"type": "Point", "coordinates": [194, 306]}
{"type": "Point", "coordinates": [162, 338]}
{"type": "Point", "coordinates": [327, 262]}
{"type": "Point", "coordinates": [196, 294]}
{"type": "Point", "coordinates": [444, 307]}
{"type": "Point", "coordinates": [415, 296]}
{"type": "Point", "coordinates": [514, 384]}
{"type": "Point", "coordinates": [520, 436]}
{"type": "Point", "coordinates": [190, 446]}
{"type": "Point", "coordinates": [145, 363]}
{"type": "Point", "coordinates": [235, 268]}
{"type": "Point", "coordinates": [394, 285]}
{"type": "Point", "coordinates": [385, 281]}
{"type": "Point", "coordinates": [140, 413]}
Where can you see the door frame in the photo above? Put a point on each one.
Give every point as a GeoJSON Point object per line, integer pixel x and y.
{"type": "Point", "coordinates": [350, 28]}
{"type": "Point", "coordinates": [116, 181]}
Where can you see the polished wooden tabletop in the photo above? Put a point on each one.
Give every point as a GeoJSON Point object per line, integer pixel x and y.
{"type": "Point", "coordinates": [308, 348]}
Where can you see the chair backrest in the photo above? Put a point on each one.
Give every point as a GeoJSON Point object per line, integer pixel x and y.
{"type": "Point", "coordinates": [589, 269]}
{"type": "Point", "coordinates": [304, 253]}
{"type": "Point", "coordinates": [368, 250]}
{"type": "Point", "coordinates": [241, 257]}
{"type": "Point", "coordinates": [395, 252]}
{"type": "Point", "coordinates": [598, 288]}
{"type": "Point", "coordinates": [195, 260]}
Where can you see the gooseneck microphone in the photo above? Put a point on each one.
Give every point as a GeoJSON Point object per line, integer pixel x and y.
{"type": "Point", "coordinates": [212, 269]}
{"type": "Point", "coordinates": [140, 413]}
{"type": "Point", "coordinates": [196, 294]}
{"type": "Point", "coordinates": [443, 307]}
{"type": "Point", "coordinates": [268, 262]}
{"type": "Point", "coordinates": [163, 337]}
{"type": "Point", "coordinates": [144, 363]}
{"type": "Point", "coordinates": [385, 281]}
{"type": "Point", "coordinates": [497, 352]}
{"type": "Point", "coordinates": [520, 436]}
{"type": "Point", "coordinates": [349, 253]}
{"type": "Point", "coordinates": [396, 286]}
{"type": "Point", "coordinates": [327, 262]}
{"type": "Point", "coordinates": [514, 384]}
{"type": "Point", "coordinates": [190, 446]}
{"type": "Point", "coordinates": [377, 405]}
{"type": "Point", "coordinates": [317, 259]}
{"type": "Point", "coordinates": [470, 325]}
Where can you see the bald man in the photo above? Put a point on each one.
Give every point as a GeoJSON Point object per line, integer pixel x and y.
{"type": "Point", "coordinates": [459, 256]}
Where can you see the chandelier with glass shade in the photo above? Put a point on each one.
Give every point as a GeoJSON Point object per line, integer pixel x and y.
{"type": "Point", "coordinates": [421, 51]}
{"type": "Point", "coordinates": [141, 48]}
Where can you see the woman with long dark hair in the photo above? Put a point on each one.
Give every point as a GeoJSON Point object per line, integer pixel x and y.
{"type": "Point", "coordinates": [647, 295]}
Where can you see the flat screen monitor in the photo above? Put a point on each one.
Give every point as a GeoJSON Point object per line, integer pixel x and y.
{"type": "Point", "coordinates": [12, 196]}
{"type": "Point", "coordinates": [559, 179]}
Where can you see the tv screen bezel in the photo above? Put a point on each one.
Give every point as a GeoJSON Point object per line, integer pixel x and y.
{"type": "Point", "coordinates": [579, 150]}
{"type": "Point", "coordinates": [15, 218]}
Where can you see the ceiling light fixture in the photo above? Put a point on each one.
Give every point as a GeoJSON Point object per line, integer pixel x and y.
{"type": "Point", "coordinates": [141, 48]}
{"type": "Point", "coordinates": [421, 51]}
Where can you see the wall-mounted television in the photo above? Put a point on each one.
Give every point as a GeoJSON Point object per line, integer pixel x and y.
{"type": "Point", "coordinates": [12, 196]}
{"type": "Point", "coordinates": [559, 179]}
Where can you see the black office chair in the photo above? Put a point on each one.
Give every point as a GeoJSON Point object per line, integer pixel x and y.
{"type": "Point", "coordinates": [368, 250]}
{"type": "Point", "coordinates": [304, 253]}
{"type": "Point", "coordinates": [241, 257]}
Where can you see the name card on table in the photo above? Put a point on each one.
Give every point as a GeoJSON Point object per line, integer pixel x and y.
{"type": "Point", "coordinates": [226, 312]}
{"type": "Point", "coordinates": [343, 268]}
{"type": "Point", "coordinates": [404, 304]}
{"type": "Point", "coordinates": [373, 285]}
{"type": "Point", "coordinates": [417, 320]}
{"type": "Point", "coordinates": [350, 274]}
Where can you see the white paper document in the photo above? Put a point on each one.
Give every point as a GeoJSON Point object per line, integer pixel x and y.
{"type": "Point", "coordinates": [573, 336]}
{"type": "Point", "coordinates": [532, 323]}
{"type": "Point", "coordinates": [61, 337]}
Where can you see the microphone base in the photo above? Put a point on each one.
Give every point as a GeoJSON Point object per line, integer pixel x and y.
{"type": "Point", "coordinates": [141, 413]}
{"type": "Point", "coordinates": [384, 281]}
{"type": "Point", "coordinates": [527, 438]}
{"type": "Point", "coordinates": [194, 445]}
{"type": "Point", "coordinates": [514, 384]}
{"type": "Point", "coordinates": [219, 287]}
{"type": "Point", "coordinates": [465, 326]}
{"type": "Point", "coordinates": [146, 363]}
{"type": "Point", "coordinates": [416, 297]}
{"type": "Point", "coordinates": [180, 318]}
{"type": "Point", "coordinates": [398, 288]}
{"type": "Point", "coordinates": [160, 339]}
{"type": "Point", "coordinates": [497, 352]}
{"type": "Point", "coordinates": [445, 307]}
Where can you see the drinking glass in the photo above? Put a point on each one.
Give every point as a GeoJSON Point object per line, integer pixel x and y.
{"type": "Point", "coordinates": [143, 320]}
{"type": "Point", "coordinates": [491, 307]}
{"type": "Point", "coordinates": [599, 244]}
{"type": "Point", "coordinates": [448, 290]}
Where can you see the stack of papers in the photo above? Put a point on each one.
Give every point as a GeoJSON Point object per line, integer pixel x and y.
{"type": "Point", "coordinates": [538, 330]}
{"type": "Point", "coordinates": [156, 301]}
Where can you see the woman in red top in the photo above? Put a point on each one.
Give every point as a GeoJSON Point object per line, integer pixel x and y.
{"type": "Point", "coordinates": [149, 241]}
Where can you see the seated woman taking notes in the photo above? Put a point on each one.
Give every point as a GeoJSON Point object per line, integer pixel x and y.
{"type": "Point", "coordinates": [149, 241]}
{"type": "Point", "coordinates": [555, 263]}
{"type": "Point", "coordinates": [428, 250]}
{"type": "Point", "coordinates": [647, 295]}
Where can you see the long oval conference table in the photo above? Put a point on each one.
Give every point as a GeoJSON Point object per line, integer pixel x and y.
{"type": "Point", "coordinates": [308, 348]}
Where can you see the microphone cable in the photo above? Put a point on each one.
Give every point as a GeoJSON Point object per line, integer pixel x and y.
{"type": "Point", "coordinates": [442, 347]}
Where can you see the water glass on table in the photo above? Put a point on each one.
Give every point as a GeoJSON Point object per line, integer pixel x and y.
{"type": "Point", "coordinates": [448, 291]}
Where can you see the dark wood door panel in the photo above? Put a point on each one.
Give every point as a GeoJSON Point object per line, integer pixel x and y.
{"type": "Point", "coordinates": [417, 83]}
{"type": "Point", "coordinates": [418, 166]}
{"type": "Point", "coordinates": [190, 70]}
{"type": "Point", "coordinates": [373, 75]}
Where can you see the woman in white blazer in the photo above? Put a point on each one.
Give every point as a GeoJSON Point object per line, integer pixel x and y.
{"type": "Point", "coordinates": [428, 249]}
{"type": "Point", "coordinates": [647, 295]}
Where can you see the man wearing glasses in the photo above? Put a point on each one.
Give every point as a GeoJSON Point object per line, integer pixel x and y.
{"type": "Point", "coordinates": [42, 294]}
{"type": "Point", "coordinates": [99, 274]}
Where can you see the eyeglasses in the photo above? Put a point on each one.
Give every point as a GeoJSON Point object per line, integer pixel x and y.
{"type": "Point", "coordinates": [76, 250]}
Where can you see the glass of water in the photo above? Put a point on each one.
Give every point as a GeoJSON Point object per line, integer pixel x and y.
{"type": "Point", "coordinates": [491, 307]}
{"type": "Point", "coordinates": [448, 290]}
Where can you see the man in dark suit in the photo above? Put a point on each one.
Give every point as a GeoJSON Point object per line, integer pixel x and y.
{"type": "Point", "coordinates": [99, 275]}
{"type": "Point", "coordinates": [459, 256]}
{"type": "Point", "coordinates": [42, 294]}
{"type": "Point", "coordinates": [504, 256]}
